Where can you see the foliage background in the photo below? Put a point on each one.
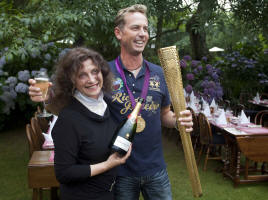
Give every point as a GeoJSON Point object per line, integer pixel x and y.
{"type": "Point", "coordinates": [34, 33]}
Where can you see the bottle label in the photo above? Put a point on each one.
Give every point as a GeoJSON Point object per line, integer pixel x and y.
{"type": "Point", "coordinates": [122, 143]}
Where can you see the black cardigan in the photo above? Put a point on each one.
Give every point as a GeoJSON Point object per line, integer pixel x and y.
{"type": "Point", "coordinates": [82, 138]}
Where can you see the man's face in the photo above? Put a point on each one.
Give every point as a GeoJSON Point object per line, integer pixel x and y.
{"type": "Point", "coordinates": [134, 35]}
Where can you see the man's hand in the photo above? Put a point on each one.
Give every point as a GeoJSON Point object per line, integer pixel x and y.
{"type": "Point", "coordinates": [186, 120]}
{"type": "Point", "coordinates": [35, 92]}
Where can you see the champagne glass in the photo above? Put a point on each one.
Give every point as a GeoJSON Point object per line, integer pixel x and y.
{"type": "Point", "coordinates": [42, 81]}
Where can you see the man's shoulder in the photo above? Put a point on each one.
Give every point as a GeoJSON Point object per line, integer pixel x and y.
{"type": "Point", "coordinates": [154, 67]}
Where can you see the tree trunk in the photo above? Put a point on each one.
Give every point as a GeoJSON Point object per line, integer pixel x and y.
{"type": "Point", "coordinates": [196, 28]}
{"type": "Point", "coordinates": [197, 38]}
{"type": "Point", "coordinates": [158, 32]}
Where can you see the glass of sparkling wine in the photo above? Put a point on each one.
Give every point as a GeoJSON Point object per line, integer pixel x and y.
{"type": "Point", "coordinates": [42, 81]}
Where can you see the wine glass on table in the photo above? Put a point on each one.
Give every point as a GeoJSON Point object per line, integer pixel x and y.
{"type": "Point", "coordinates": [42, 81]}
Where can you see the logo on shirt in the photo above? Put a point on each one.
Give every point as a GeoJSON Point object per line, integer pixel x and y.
{"type": "Point", "coordinates": [117, 84]}
{"type": "Point", "coordinates": [154, 83]}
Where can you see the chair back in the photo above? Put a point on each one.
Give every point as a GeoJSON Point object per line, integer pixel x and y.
{"type": "Point", "coordinates": [258, 116]}
{"type": "Point", "coordinates": [205, 130]}
{"type": "Point", "coordinates": [29, 134]}
{"type": "Point", "coordinates": [264, 119]}
{"type": "Point", "coordinates": [254, 148]}
{"type": "Point", "coordinates": [238, 108]}
{"type": "Point", "coordinates": [38, 138]}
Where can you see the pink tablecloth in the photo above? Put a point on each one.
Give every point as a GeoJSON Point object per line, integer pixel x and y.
{"type": "Point", "coordinates": [254, 130]}
{"type": "Point", "coordinates": [48, 145]}
{"type": "Point", "coordinates": [51, 158]}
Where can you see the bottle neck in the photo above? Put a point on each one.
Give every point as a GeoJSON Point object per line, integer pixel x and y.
{"type": "Point", "coordinates": [136, 111]}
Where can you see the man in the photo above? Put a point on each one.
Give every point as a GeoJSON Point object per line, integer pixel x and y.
{"type": "Point", "coordinates": [145, 170]}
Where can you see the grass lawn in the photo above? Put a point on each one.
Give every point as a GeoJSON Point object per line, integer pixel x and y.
{"type": "Point", "coordinates": [13, 174]}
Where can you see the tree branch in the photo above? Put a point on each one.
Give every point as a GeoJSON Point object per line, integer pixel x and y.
{"type": "Point", "coordinates": [168, 31]}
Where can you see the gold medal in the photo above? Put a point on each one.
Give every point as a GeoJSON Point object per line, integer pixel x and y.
{"type": "Point", "coordinates": [140, 124]}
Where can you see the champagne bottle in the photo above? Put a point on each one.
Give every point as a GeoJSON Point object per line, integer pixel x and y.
{"type": "Point", "coordinates": [125, 132]}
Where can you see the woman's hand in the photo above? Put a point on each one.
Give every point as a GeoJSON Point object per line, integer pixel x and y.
{"type": "Point", "coordinates": [115, 159]}
{"type": "Point", "coordinates": [35, 92]}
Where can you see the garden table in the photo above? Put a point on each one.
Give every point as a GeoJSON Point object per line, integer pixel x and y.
{"type": "Point", "coordinates": [248, 139]}
{"type": "Point", "coordinates": [41, 173]}
{"type": "Point", "coordinates": [263, 103]}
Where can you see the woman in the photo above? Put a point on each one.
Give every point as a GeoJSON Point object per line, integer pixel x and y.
{"type": "Point", "coordinates": [84, 129]}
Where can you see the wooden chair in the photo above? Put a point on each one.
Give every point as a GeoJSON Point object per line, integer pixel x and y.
{"type": "Point", "coordinates": [208, 140]}
{"type": "Point", "coordinates": [35, 141]}
{"type": "Point", "coordinates": [195, 133]}
{"type": "Point", "coordinates": [38, 137]}
{"type": "Point", "coordinates": [258, 116]}
{"type": "Point", "coordinates": [29, 134]}
{"type": "Point", "coordinates": [238, 108]}
{"type": "Point", "coordinates": [42, 121]}
{"type": "Point", "coordinates": [264, 96]}
{"type": "Point", "coordinates": [254, 149]}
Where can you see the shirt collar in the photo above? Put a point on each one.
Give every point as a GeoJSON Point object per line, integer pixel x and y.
{"type": "Point", "coordinates": [142, 71]}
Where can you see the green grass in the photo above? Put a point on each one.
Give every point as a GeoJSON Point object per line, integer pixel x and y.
{"type": "Point", "coordinates": [14, 159]}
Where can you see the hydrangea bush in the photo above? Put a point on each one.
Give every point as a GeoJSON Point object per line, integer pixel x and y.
{"type": "Point", "coordinates": [242, 73]}
{"type": "Point", "coordinates": [14, 75]}
{"type": "Point", "coordinates": [202, 78]}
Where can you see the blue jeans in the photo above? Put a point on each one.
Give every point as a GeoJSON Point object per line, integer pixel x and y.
{"type": "Point", "coordinates": [155, 187]}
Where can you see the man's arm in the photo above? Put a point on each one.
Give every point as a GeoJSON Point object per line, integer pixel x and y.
{"type": "Point", "coordinates": [168, 118]}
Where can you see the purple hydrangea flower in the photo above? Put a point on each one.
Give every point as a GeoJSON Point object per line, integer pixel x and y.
{"type": "Point", "coordinates": [200, 67]}
{"type": "Point", "coordinates": [21, 88]}
{"type": "Point", "coordinates": [12, 81]}
{"type": "Point", "coordinates": [211, 84]}
{"type": "Point", "coordinates": [23, 75]}
{"type": "Point", "coordinates": [234, 65]}
{"type": "Point", "coordinates": [47, 56]}
{"type": "Point", "coordinates": [50, 44]}
{"type": "Point", "coordinates": [183, 63]}
{"type": "Point", "coordinates": [196, 71]}
{"type": "Point", "coordinates": [5, 88]}
{"type": "Point", "coordinates": [1, 72]}
{"type": "Point", "coordinates": [7, 97]}
{"type": "Point", "coordinates": [13, 93]}
{"type": "Point", "coordinates": [43, 69]}
{"type": "Point", "coordinates": [204, 84]}
{"type": "Point", "coordinates": [63, 52]}
{"type": "Point", "coordinates": [44, 47]}
{"type": "Point", "coordinates": [265, 51]}
{"type": "Point", "coordinates": [190, 76]}
{"type": "Point", "coordinates": [195, 63]}
{"type": "Point", "coordinates": [34, 73]}
{"type": "Point", "coordinates": [2, 62]}
{"type": "Point", "coordinates": [204, 58]}
{"type": "Point", "coordinates": [189, 88]}
{"type": "Point", "coordinates": [209, 67]}
{"type": "Point", "coordinates": [206, 78]}
{"type": "Point", "coordinates": [215, 76]}
{"type": "Point", "coordinates": [187, 58]}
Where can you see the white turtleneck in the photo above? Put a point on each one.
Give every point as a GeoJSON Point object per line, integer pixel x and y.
{"type": "Point", "coordinates": [97, 106]}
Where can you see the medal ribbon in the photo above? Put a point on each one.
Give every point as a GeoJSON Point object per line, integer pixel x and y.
{"type": "Point", "coordinates": [145, 83]}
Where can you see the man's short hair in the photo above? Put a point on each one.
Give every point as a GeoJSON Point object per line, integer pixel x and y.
{"type": "Point", "coordinates": [120, 21]}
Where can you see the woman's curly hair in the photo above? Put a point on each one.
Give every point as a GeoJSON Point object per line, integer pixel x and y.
{"type": "Point", "coordinates": [67, 69]}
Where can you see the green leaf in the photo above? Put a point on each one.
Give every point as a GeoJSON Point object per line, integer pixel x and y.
{"type": "Point", "coordinates": [9, 57]}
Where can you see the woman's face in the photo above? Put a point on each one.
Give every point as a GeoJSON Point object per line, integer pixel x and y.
{"type": "Point", "coordinates": [89, 80]}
